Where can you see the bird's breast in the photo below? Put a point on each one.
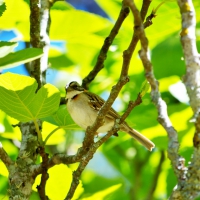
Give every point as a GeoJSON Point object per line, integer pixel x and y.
{"type": "Point", "coordinates": [81, 113]}
{"type": "Point", "coordinates": [84, 115]}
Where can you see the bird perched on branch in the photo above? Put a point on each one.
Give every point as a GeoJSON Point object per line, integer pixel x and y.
{"type": "Point", "coordinates": [83, 106]}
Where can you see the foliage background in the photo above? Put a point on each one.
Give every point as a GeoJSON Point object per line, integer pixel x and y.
{"type": "Point", "coordinates": [121, 169]}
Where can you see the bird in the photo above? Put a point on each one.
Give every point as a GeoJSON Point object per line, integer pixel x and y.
{"type": "Point", "coordinates": [83, 107]}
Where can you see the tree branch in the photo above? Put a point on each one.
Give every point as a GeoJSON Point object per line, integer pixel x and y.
{"type": "Point", "coordinates": [20, 177]}
{"type": "Point", "coordinates": [144, 9]}
{"type": "Point", "coordinates": [91, 150]}
{"type": "Point", "coordinates": [191, 189]}
{"type": "Point", "coordinates": [39, 32]}
{"type": "Point", "coordinates": [59, 158]}
{"type": "Point", "coordinates": [192, 60]}
{"type": "Point", "coordinates": [191, 55]}
{"type": "Point", "coordinates": [45, 175]}
{"type": "Point", "coordinates": [103, 52]}
{"type": "Point", "coordinates": [88, 143]}
{"type": "Point", "coordinates": [5, 158]}
{"type": "Point", "coordinates": [65, 159]}
{"type": "Point", "coordinates": [108, 41]}
{"type": "Point", "coordinates": [173, 146]}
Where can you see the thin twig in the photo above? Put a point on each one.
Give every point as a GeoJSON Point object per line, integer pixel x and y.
{"type": "Point", "coordinates": [108, 41]}
{"type": "Point", "coordinates": [5, 158]}
{"type": "Point", "coordinates": [50, 134]}
{"type": "Point", "coordinates": [63, 158]}
{"type": "Point", "coordinates": [131, 106]}
{"type": "Point", "coordinates": [144, 9]}
{"type": "Point", "coordinates": [59, 158]}
{"type": "Point", "coordinates": [103, 52]}
{"type": "Point", "coordinates": [45, 175]}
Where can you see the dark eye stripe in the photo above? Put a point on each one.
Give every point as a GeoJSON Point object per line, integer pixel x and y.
{"type": "Point", "coordinates": [73, 83]}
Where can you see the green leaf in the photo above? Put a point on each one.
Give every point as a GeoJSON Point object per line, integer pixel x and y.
{"type": "Point", "coordinates": [60, 178]}
{"type": "Point", "coordinates": [20, 57]}
{"type": "Point", "coordinates": [77, 34]}
{"type": "Point", "coordinates": [2, 7]}
{"type": "Point", "coordinates": [61, 61]}
{"type": "Point", "coordinates": [172, 62]}
{"type": "Point", "coordinates": [19, 100]}
{"type": "Point", "coordinates": [144, 88]}
{"type": "Point", "coordinates": [102, 194]}
{"type": "Point", "coordinates": [6, 48]}
{"type": "Point", "coordinates": [20, 21]}
{"type": "Point", "coordinates": [62, 119]}
{"type": "Point", "coordinates": [61, 5]}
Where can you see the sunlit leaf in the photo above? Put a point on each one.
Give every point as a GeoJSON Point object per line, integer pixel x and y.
{"type": "Point", "coordinates": [20, 101]}
{"type": "Point", "coordinates": [6, 48]}
{"type": "Point", "coordinates": [144, 88]}
{"type": "Point", "coordinates": [72, 32]}
{"type": "Point", "coordinates": [20, 57]}
{"type": "Point", "coordinates": [21, 19]}
{"type": "Point", "coordinates": [61, 5]}
{"type": "Point", "coordinates": [102, 194]}
{"type": "Point", "coordinates": [62, 119]}
{"type": "Point", "coordinates": [167, 58]}
{"type": "Point", "coordinates": [56, 138]}
{"type": "Point", "coordinates": [165, 83]}
{"type": "Point", "coordinates": [60, 62]}
{"type": "Point", "coordinates": [6, 128]}
{"type": "Point", "coordinates": [4, 171]}
{"type": "Point", "coordinates": [60, 177]}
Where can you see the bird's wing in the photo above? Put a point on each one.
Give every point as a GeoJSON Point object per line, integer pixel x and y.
{"type": "Point", "coordinates": [96, 102]}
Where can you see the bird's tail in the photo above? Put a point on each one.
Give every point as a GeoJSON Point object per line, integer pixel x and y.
{"type": "Point", "coordinates": [142, 139]}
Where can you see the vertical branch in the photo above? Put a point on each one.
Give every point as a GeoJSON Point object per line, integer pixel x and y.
{"type": "Point", "coordinates": [35, 38]}
{"type": "Point", "coordinates": [173, 146]}
{"type": "Point", "coordinates": [191, 189]}
{"type": "Point", "coordinates": [191, 55]}
{"type": "Point", "coordinates": [144, 9]}
{"type": "Point", "coordinates": [45, 175]}
{"type": "Point", "coordinates": [39, 37]}
{"type": "Point", "coordinates": [192, 60]}
{"type": "Point", "coordinates": [39, 32]}
{"type": "Point", "coordinates": [21, 178]}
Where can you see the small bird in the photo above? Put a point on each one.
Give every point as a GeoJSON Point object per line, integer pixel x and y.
{"type": "Point", "coordinates": [83, 106]}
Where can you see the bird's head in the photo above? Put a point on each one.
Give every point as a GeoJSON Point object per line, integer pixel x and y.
{"type": "Point", "coordinates": [73, 89]}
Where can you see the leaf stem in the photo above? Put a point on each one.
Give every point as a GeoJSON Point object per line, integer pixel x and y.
{"type": "Point", "coordinates": [50, 134]}
{"type": "Point", "coordinates": [38, 132]}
